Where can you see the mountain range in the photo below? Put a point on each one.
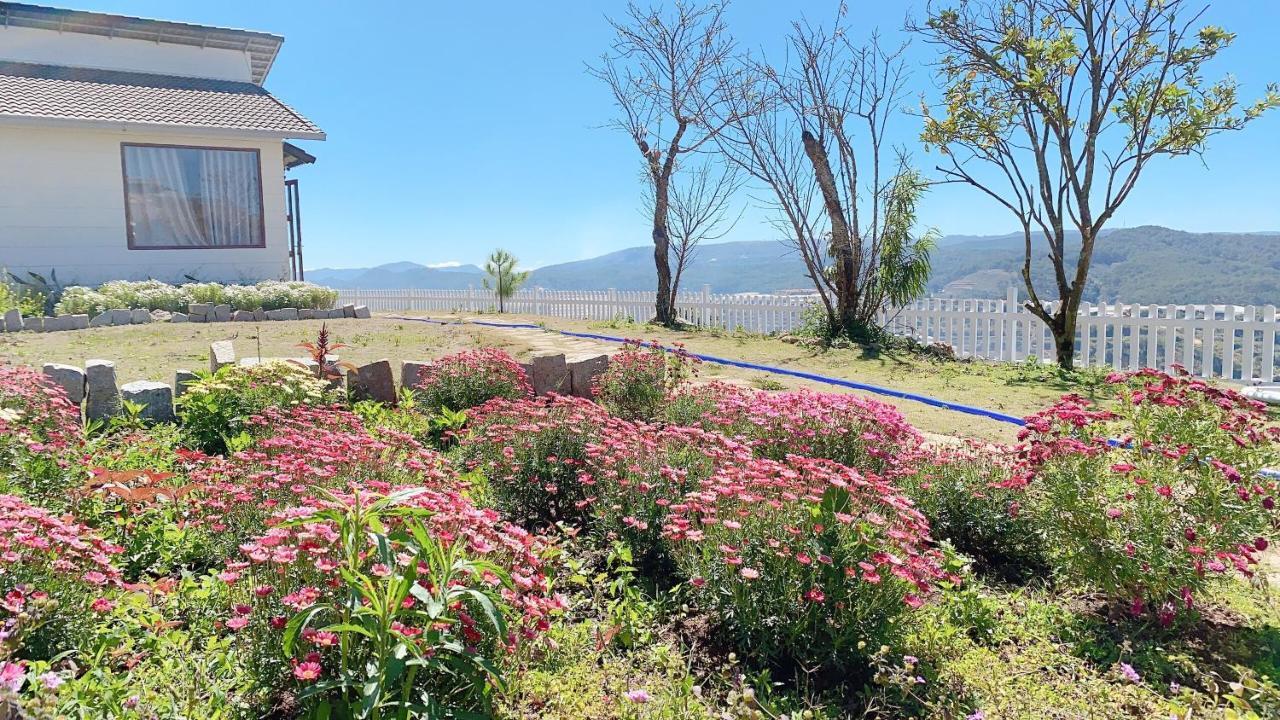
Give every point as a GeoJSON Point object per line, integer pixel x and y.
{"type": "Point", "coordinates": [1148, 264]}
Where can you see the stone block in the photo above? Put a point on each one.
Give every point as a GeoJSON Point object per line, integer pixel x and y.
{"type": "Point", "coordinates": [221, 352]}
{"type": "Point", "coordinates": [306, 314]}
{"type": "Point", "coordinates": [550, 374]}
{"type": "Point", "coordinates": [155, 397]}
{"type": "Point", "coordinates": [78, 322]}
{"type": "Point", "coordinates": [260, 315]}
{"type": "Point", "coordinates": [102, 396]}
{"type": "Point", "coordinates": [202, 309]}
{"type": "Point", "coordinates": [103, 319]}
{"type": "Point", "coordinates": [178, 317]}
{"type": "Point", "coordinates": [141, 316]}
{"type": "Point", "coordinates": [242, 316]}
{"type": "Point", "coordinates": [49, 324]}
{"type": "Point", "coordinates": [283, 314]}
{"type": "Point", "coordinates": [35, 324]}
{"type": "Point", "coordinates": [411, 372]}
{"type": "Point", "coordinates": [13, 320]}
{"type": "Point", "coordinates": [349, 310]}
{"type": "Point", "coordinates": [68, 377]}
{"type": "Point", "coordinates": [583, 374]}
{"type": "Point", "coordinates": [373, 382]}
{"type": "Point", "coordinates": [161, 316]}
{"type": "Point", "coordinates": [181, 380]}
{"type": "Point", "coordinates": [221, 313]}
{"type": "Point", "coordinates": [362, 312]}
{"type": "Point", "coordinates": [121, 316]}
{"type": "Point", "coordinates": [197, 318]}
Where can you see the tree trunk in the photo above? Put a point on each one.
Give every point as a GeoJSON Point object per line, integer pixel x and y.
{"type": "Point", "coordinates": [661, 246]}
{"type": "Point", "coordinates": [841, 236]}
{"type": "Point", "coordinates": [1064, 335]}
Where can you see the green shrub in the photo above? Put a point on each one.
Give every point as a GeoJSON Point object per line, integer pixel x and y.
{"type": "Point", "coordinates": [808, 563]}
{"type": "Point", "coordinates": [215, 408]}
{"type": "Point", "coordinates": [156, 295]}
{"type": "Point", "coordinates": [964, 493]}
{"type": "Point", "coordinates": [637, 472]}
{"type": "Point", "coordinates": [531, 452]}
{"type": "Point", "coordinates": [858, 432]}
{"type": "Point", "coordinates": [641, 378]}
{"type": "Point", "coordinates": [1153, 499]}
{"type": "Point", "coordinates": [40, 435]}
{"type": "Point", "coordinates": [471, 378]}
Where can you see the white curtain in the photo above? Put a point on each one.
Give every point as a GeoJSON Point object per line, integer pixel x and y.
{"type": "Point", "coordinates": [193, 197]}
{"type": "Point", "coordinates": [229, 181]}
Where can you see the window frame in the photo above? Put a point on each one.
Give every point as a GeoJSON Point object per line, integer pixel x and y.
{"type": "Point", "coordinates": [128, 219]}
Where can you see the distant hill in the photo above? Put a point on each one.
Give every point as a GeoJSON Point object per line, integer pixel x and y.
{"type": "Point", "coordinates": [1147, 264]}
{"type": "Point", "coordinates": [1143, 264]}
{"type": "Point", "coordinates": [731, 267]}
{"type": "Point", "coordinates": [398, 275]}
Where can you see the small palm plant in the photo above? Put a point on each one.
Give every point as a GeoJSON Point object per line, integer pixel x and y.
{"type": "Point", "coordinates": [501, 268]}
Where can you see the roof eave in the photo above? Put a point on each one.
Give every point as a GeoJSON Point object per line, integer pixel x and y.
{"type": "Point", "coordinates": [263, 48]}
{"type": "Point", "coordinates": [203, 130]}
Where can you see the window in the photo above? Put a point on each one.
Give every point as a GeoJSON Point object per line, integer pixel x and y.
{"type": "Point", "coordinates": [192, 197]}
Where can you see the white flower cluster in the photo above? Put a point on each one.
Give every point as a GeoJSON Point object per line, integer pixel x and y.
{"type": "Point", "coordinates": [156, 295]}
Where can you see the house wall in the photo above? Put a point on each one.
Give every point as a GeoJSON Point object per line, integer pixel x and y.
{"type": "Point", "coordinates": [62, 207]}
{"type": "Point", "coordinates": [49, 47]}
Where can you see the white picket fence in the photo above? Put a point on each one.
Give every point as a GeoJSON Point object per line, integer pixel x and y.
{"type": "Point", "coordinates": [1221, 341]}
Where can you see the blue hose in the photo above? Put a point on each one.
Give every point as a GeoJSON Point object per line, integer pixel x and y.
{"type": "Point", "coordinates": [814, 377]}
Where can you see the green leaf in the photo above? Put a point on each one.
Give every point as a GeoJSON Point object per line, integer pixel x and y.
{"type": "Point", "coordinates": [296, 624]}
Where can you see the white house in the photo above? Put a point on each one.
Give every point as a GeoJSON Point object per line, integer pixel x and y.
{"type": "Point", "coordinates": [134, 148]}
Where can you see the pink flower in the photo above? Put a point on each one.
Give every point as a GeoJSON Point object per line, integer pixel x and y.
{"type": "Point", "coordinates": [11, 675]}
{"type": "Point", "coordinates": [307, 671]}
{"type": "Point", "coordinates": [749, 573]}
{"type": "Point", "coordinates": [638, 697]}
{"type": "Point", "coordinates": [102, 605]}
{"type": "Point", "coordinates": [239, 622]}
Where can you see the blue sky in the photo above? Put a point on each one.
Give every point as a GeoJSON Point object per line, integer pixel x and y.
{"type": "Point", "coordinates": [457, 127]}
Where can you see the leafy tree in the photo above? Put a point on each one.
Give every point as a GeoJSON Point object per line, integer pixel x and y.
{"type": "Point", "coordinates": [1055, 108]}
{"type": "Point", "coordinates": [811, 131]}
{"type": "Point", "coordinates": [501, 269]}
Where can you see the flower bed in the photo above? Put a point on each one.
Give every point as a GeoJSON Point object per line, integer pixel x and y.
{"type": "Point", "coordinates": [741, 554]}
{"type": "Point", "coordinates": [464, 380]}
{"type": "Point", "coordinates": [156, 295]}
{"type": "Point", "coordinates": [1154, 498]}
{"type": "Point", "coordinates": [810, 562]}
{"type": "Point", "coordinates": [848, 429]}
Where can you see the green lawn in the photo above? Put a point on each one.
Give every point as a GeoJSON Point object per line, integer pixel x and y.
{"type": "Point", "coordinates": [155, 351]}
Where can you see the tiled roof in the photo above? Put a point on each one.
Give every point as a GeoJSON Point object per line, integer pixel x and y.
{"type": "Point", "coordinates": [65, 93]}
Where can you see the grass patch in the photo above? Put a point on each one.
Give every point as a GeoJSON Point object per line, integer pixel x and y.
{"type": "Point", "coordinates": [155, 351]}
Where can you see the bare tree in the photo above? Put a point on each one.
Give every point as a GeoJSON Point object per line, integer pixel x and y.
{"type": "Point", "coordinates": [1055, 108]}
{"type": "Point", "coordinates": [812, 133]}
{"type": "Point", "coordinates": [662, 73]}
{"type": "Point", "coordinates": [701, 209]}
